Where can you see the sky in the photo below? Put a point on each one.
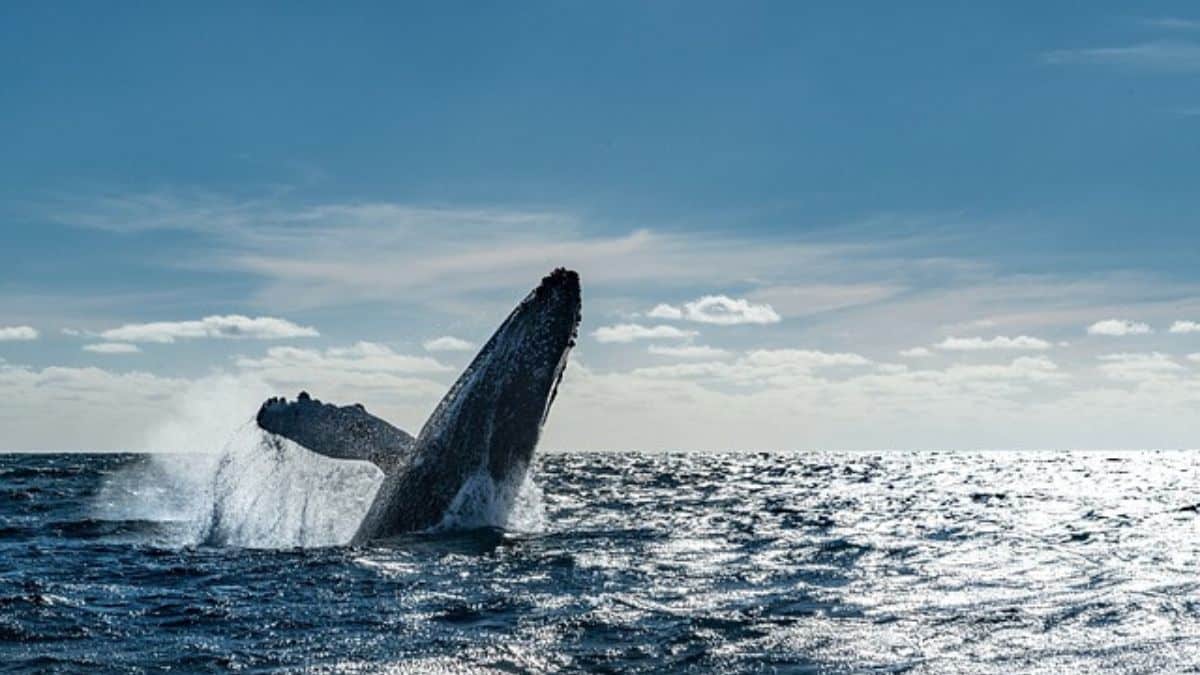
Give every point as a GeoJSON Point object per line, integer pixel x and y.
{"type": "Point", "coordinates": [798, 225]}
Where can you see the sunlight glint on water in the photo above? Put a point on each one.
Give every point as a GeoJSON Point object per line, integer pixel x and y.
{"type": "Point", "coordinates": [819, 562]}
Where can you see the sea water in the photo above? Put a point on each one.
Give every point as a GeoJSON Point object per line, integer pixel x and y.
{"type": "Point", "coordinates": [606, 562]}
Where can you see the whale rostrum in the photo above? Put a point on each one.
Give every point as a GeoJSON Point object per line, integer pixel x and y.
{"type": "Point", "coordinates": [489, 421]}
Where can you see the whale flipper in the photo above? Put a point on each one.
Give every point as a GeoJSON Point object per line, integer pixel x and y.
{"type": "Point", "coordinates": [347, 432]}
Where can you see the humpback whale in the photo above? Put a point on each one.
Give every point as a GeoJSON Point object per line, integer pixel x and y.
{"type": "Point", "coordinates": [489, 422]}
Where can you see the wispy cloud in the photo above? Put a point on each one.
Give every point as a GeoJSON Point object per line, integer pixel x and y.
{"type": "Point", "coordinates": [112, 348]}
{"type": "Point", "coordinates": [628, 332]}
{"type": "Point", "coordinates": [233, 326]}
{"type": "Point", "coordinates": [1166, 56]}
{"type": "Point", "coordinates": [269, 221]}
{"type": "Point", "coordinates": [312, 255]}
{"type": "Point", "coordinates": [1119, 328]}
{"type": "Point", "coordinates": [447, 343]}
{"type": "Point", "coordinates": [17, 333]}
{"type": "Point", "coordinates": [808, 299]}
{"type": "Point", "coordinates": [1172, 23]}
{"type": "Point", "coordinates": [1185, 327]}
{"type": "Point", "coordinates": [916, 353]}
{"type": "Point", "coordinates": [970, 344]}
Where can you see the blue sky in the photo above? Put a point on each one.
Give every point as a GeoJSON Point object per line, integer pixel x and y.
{"type": "Point", "coordinates": [877, 179]}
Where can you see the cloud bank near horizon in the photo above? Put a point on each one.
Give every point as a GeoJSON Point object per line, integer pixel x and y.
{"type": "Point", "coordinates": [837, 342]}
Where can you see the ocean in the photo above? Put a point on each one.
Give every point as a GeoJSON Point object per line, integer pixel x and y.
{"type": "Point", "coordinates": [797, 562]}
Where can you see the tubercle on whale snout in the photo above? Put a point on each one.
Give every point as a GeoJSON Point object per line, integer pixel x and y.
{"type": "Point", "coordinates": [560, 276]}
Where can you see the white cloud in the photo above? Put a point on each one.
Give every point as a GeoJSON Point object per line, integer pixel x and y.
{"type": "Point", "coordinates": [398, 387]}
{"type": "Point", "coordinates": [1139, 366]}
{"type": "Point", "coordinates": [107, 410]}
{"type": "Point", "coordinates": [759, 366]}
{"type": "Point", "coordinates": [1118, 327]}
{"type": "Point", "coordinates": [1035, 368]}
{"type": "Point", "coordinates": [665, 311]}
{"type": "Point", "coordinates": [628, 332]}
{"type": "Point", "coordinates": [1021, 342]}
{"type": "Point", "coordinates": [13, 333]}
{"type": "Point", "coordinates": [690, 352]}
{"type": "Point", "coordinates": [112, 410]}
{"type": "Point", "coordinates": [718, 309]}
{"type": "Point", "coordinates": [789, 398]}
{"type": "Point", "coordinates": [804, 358]}
{"type": "Point", "coordinates": [233, 326]}
{"type": "Point", "coordinates": [447, 343]}
{"type": "Point", "coordinates": [296, 255]}
{"type": "Point", "coordinates": [1185, 327]}
{"type": "Point", "coordinates": [1194, 357]}
{"type": "Point", "coordinates": [726, 311]}
{"type": "Point", "coordinates": [112, 348]}
{"type": "Point", "coordinates": [686, 370]}
{"type": "Point", "coordinates": [811, 399]}
{"type": "Point", "coordinates": [916, 353]}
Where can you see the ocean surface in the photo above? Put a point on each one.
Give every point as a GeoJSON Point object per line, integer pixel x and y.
{"type": "Point", "coordinates": [624, 562]}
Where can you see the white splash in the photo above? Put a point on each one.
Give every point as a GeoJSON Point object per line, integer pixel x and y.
{"type": "Point", "coordinates": [514, 505]}
{"type": "Point", "coordinates": [268, 492]}
{"type": "Point", "coordinates": [232, 485]}
{"type": "Point", "coordinates": [260, 491]}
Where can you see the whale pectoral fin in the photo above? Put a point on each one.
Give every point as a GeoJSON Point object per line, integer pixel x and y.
{"type": "Point", "coordinates": [347, 432]}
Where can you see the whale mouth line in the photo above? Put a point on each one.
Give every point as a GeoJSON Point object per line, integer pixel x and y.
{"type": "Point", "coordinates": [473, 454]}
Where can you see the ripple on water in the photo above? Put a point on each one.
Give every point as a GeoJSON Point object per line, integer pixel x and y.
{"type": "Point", "coordinates": [815, 562]}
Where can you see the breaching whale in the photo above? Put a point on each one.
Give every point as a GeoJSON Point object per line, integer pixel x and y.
{"type": "Point", "coordinates": [489, 421]}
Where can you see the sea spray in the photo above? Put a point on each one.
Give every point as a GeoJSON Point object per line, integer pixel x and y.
{"type": "Point", "coordinates": [268, 492]}
{"type": "Point", "coordinates": [223, 481]}
{"type": "Point", "coordinates": [216, 478]}
{"type": "Point", "coordinates": [259, 491]}
{"type": "Point", "coordinates": [514, 505]}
